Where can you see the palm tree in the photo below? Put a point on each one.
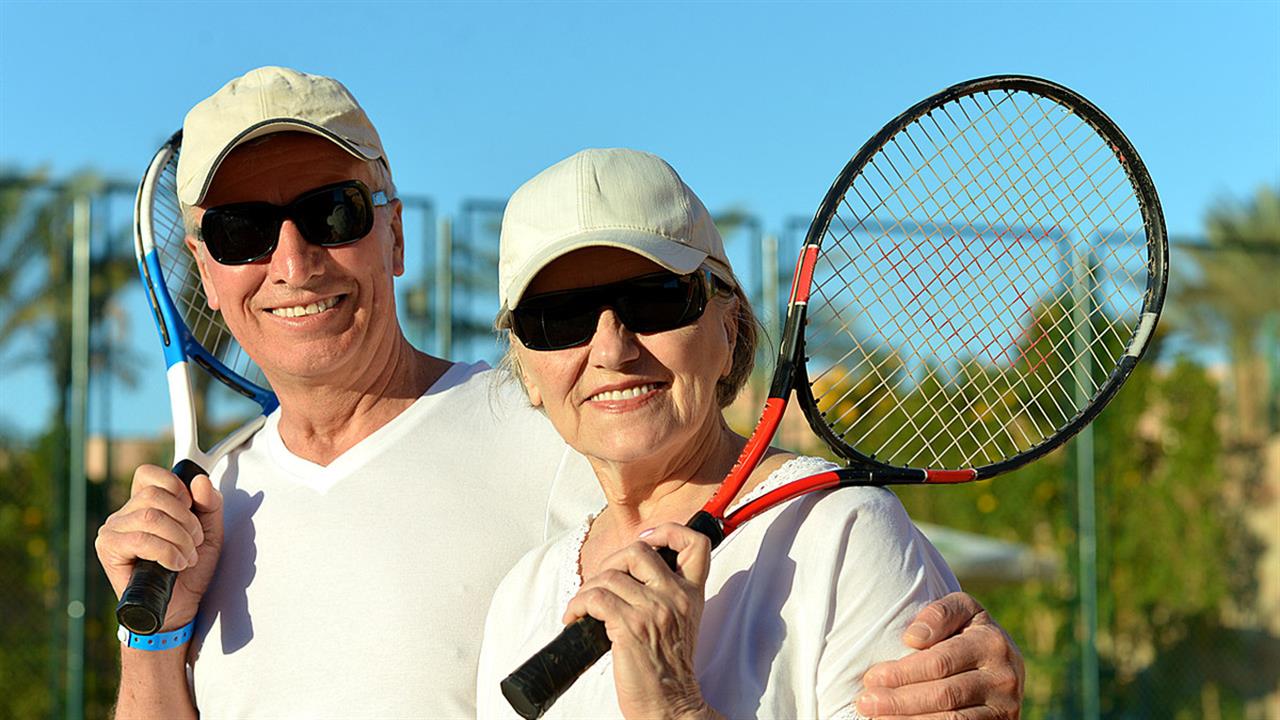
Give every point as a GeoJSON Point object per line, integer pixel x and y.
{"type": "Point", "coordinates": [1234, 300]}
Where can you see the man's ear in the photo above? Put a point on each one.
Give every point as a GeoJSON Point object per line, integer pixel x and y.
{"type": "Point", "coordinates": [197, 249]}
{"type": "Point", "coordinates": [397, 238]}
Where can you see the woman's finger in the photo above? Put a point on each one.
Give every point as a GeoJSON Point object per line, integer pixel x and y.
{"type": "Point", "coordinates": [693, 549]}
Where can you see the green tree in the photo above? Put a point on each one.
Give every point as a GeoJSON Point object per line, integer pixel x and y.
{"type": "Point", "coordinates": [36, 229]}
{"type": "Point", "coordinates": [1233, 302]}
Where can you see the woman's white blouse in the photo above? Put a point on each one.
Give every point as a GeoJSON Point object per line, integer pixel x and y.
{"type": "Point", "coordinates": [800, 601]}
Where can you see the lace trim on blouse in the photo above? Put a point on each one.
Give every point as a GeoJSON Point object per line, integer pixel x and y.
{"type": "Point", "coordinates": [569, 551]}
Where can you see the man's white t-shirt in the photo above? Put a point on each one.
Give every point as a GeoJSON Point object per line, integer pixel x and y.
{"type": "Point", "coordinates": [800, 601]}
{"type": "Point", "coordinates": [359, 589]}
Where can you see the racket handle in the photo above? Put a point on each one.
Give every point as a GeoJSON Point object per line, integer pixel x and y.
{"type": "Point", "coordinates": [145, 599]}
{"type": "Point", "coordinates": [542, 679]}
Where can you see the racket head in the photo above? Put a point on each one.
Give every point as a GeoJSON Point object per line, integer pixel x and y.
{"type": "Point", "coordinates": [190, 331]}
{"type": "Point", "coordinates": [983, 276]}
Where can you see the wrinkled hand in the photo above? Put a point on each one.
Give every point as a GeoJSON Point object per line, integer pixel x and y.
{"type": "Point", "coordinates": [164, 522]}
{"type": "Point", "coordinates": [652, 616]}
{"type": "Point", "coordinates": [968, 668]}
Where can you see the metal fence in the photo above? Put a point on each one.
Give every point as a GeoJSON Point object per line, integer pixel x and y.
{"type": "Point", "coordinates": [81, 409]}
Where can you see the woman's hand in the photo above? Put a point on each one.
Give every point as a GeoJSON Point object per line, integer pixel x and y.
{"type": "Point", "coordinates": [652, 616]}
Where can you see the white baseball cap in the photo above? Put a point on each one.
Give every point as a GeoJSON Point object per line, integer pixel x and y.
{"type": "Point", "coordinates": [264, 101]}
{"type": "Point", "coordinates": [605, 197]}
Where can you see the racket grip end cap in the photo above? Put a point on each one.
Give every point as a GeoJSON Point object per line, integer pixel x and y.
{"type": "Point", "coordinates": [145, 601]}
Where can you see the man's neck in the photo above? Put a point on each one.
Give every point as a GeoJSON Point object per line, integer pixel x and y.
{"type": "Point", "coordinates": [320, 421]}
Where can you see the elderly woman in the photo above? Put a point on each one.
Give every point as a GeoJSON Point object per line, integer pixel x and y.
{"type": "Point", "coordinates": [629, 329]}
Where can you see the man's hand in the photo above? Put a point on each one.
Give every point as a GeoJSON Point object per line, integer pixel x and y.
{"type": "Point", "coordinates": [968, 668]}
{"type": "Point", "coordinates": [164, 522]}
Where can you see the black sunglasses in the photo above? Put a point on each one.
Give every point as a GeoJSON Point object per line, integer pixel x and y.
{"type": "Point", "coordinates": [328, 216]}
{"type": "Point", "coordinates": [645, 304]}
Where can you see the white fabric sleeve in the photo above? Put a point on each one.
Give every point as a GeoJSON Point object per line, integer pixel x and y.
{"type": "Point", "coordinates": [881, 575]}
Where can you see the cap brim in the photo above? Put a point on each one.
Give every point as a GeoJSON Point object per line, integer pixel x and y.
{"type": "Point", "coordinates": [671, 255]}
{"type": "Point", "coordinates": [267, 127]}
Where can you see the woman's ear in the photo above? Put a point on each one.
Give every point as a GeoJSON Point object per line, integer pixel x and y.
{"type": "Point", "coordinates": [730, 324]}
{"type": "Point", "coordinates": [530, 387]}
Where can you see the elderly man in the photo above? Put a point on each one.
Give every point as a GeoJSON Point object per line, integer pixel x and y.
{"type": "Point", "coordinates": [342, 559]}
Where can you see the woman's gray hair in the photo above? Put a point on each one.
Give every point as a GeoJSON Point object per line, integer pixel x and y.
{"type": "Point", "coordinates": [727, 388]}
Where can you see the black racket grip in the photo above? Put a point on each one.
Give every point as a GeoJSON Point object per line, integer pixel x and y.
{"type": "Point", "coordinates": [542, 679]}
{"type": "Point", "coordinates": [145, 599]}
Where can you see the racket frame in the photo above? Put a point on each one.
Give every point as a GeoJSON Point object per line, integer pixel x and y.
{"type": "Point", "coordinates": [1153, 295]}
{"type": "Point", "coordinates": [144, 602]}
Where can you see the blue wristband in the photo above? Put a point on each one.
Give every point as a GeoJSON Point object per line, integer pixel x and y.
{"type": "Point", "coordinates": [158, 641]}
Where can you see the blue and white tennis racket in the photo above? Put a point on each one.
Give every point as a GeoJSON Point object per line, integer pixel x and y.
{"type": "Point", "coordinates": [192, 335]}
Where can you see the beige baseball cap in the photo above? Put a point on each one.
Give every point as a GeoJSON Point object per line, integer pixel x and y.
{"type": "Point", "coordinates": [264, 101]}
{"type": "Point", "coordinates": [605, 197]}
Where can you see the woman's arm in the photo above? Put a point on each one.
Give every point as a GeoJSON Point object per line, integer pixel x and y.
{"type": "Point", "coordinates": [880, 573]}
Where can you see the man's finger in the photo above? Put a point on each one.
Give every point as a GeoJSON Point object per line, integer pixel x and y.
{"type": "Point", "coordinates": [156, 476]}
{"type": "Point", "coordinates": [941, 619]}
{"type": "Point", "coordinates": [965, 691]}
{"type": "Point", "coordinates": [970, 713]}
{"type": "Point", "coordinates": [949, 657]}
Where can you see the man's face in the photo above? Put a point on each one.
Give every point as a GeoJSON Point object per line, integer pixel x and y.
{"type": "Point", "coordinates": [306, 314]}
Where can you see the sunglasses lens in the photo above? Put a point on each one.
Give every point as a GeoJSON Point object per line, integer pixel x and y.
{"type": "Point", "coordinates": [331, 216]}
{"type": "Point", "coordinates": [238, 234]}
{"type": "Point", "coordinates": [647, 304]}
{"type": "Point", "coordinates": [657, 304]}
{"type": "Point", "coordinates": [556, 321]}
{"type": "Point", "coordinates": [334, 216]}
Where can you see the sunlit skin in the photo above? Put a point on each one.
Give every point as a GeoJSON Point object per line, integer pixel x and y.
{"type": "Point", "coordinates": [658, 456]}
{"type": "Point", "coordinates": [347, 368]}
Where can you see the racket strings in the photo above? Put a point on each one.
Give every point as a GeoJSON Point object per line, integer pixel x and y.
{"type": "Point", "coordinates": [182, 278]}
{"type": "Point", "coordinates": [954, 331]}
{"type": "Point", "coordinates": [982, 256]}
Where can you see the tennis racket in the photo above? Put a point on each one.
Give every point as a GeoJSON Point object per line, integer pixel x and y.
{"type": "Point", "coordinates": [193, 336]}
{"type": "Point", "coordinates": [977, 284]}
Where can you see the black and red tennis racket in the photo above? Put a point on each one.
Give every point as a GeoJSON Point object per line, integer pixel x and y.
{"type": "Point", "coordinates": [979, 281]}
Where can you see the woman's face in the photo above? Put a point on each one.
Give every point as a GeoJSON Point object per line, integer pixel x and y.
{"type": "Point", "coordinates": [625, 397]}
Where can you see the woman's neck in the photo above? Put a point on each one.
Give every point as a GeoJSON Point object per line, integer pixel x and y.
{"type": "Point", "coordinates": [665, 488]}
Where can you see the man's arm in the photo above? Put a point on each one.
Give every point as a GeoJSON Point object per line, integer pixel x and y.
{"type": "Point", "coordinates": [153, 684]}
{"type": "Point", "coordinates": [182, 530]}
{"type": "Point", "coordinates": [967, 665]}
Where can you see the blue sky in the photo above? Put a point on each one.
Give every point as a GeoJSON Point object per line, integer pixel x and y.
{"type": "Point", "coordinates": [758, 105]}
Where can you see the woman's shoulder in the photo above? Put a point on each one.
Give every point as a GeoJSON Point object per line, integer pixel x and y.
{"type": "Point", "coordinates": [782, 468]}
{"type": "Point", "coordinates": [869, 518]}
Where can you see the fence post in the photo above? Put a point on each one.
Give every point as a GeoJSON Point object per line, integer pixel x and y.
{"type": "Point", "coordinates": [77, 436]}
{"type": "Point", "coordinates": [1086, 543]}
{"type": "Point", "coordinates": [769, 286]}
{"type": "Point", "coordinates": [444, 289]}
